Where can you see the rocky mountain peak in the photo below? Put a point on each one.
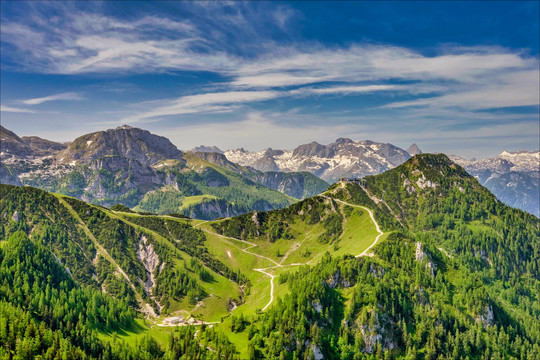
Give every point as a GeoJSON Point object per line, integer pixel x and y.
{"type": "Point", "coordinates": [12, 145]}
{"type": "Point", "coordinates": [343, 158]}
{"type": "Point", "coordinates": [271, 152]}
{"type": "Point", "coordinates": [414, 150]}
{"type": "Point", "coordinates": [8, 134]}
{"type": "Point", "coordinates": [43, 147]}
{"type": "Point", "coordinates": [313, 149]}
{"type": "Point", "coordinates": [124, 127]}
{"type": "Point", "coordinates": [126, 141]}
{"type": "Point", "coordinates": [214, 158]}
{"type": "Point", "coordinates": [344, 141]}
{"type": "Point", "coordinates": [208, 149]}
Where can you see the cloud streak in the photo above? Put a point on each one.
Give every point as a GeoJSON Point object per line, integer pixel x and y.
{"type": "Point", "coordinates": [205, 103]}
{"type": "Point", "coordinates": [62, 96]}
{"type": "Point", "coordinates": [15, 110]}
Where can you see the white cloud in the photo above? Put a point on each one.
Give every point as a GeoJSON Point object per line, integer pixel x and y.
{"type": "Point", "coordinates": [508, 90]}
{"type": "Point", "coordinates": [15, 110]}
{"type": "Point", "coordinates": [232, 100]}
{"type": "Point", "coordinates": [205, 103]}
{"type": "Point", "coordinates": [62, 96]}
{"type": "Point", "coordinates": [353, 89]}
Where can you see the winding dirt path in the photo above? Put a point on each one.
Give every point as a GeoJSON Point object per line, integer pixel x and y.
{"type": "Point", "coordinates": [372, 219]}
{"type": "Point", "coordinates": [294, 247]}
{"type": "Point", "coordinates": [271, 286]}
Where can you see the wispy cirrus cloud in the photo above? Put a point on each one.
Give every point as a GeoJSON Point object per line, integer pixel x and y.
{"type": "Point", "coordinates": [204, 103]}
{"type": "Point", "coordinates": [15, 110]}
{"type": "Point", "coordinates": [509, 90]}
{"type": "Point", "coordinates": [56, 97]}
{"type": "Point", "coordinates": [227, 101]}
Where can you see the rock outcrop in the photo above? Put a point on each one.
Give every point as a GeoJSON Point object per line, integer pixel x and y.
{"type": "Point", "coordinates": [125, 141]}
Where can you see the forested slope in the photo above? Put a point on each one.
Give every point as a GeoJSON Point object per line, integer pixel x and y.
{"type": "Point", "coordinates": [451, 273]}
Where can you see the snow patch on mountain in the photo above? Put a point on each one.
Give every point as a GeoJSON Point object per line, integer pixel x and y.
{"type": "Point", "coordinates": [344, 157]}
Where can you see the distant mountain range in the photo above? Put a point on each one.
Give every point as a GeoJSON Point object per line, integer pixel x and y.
{"type": "Point", "coordinates": [139, 169]}
{"type": "Point", "coordinates": [343, 158]}
{"type": "Point", "coordinates": [512, 176]}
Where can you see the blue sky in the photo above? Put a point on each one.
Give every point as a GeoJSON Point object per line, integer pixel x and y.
{"type": "Point", "coordinates": [456, 77]}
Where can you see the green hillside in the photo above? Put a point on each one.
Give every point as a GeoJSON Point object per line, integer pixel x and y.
{"type": "Point", "coordinates": [208, 191]}
{"type": "Point", "coordinates": [157, 265]}
{"type": "Point", "coordinates": [420, 262]}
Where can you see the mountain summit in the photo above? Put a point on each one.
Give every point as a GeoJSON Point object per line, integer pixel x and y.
{"type": "Point", "coordinates": [414, 150]}
{"type": "Point", "coordinates": [12, 146]}
{"type": "Point", "coordinates": [124, 141]}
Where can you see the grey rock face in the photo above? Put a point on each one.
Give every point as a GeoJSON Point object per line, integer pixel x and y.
{"type": "Point", "coordinates": [265, 163]}
{"type": "Point", "coordinates": [313, 149]}
{"type": "Point", "coordinates": [290, 185]}
{"type": "Point", "coordinates": [343, 158]}
{"type": "Point", "coordinates": [218, 159]}
{"type": "Point", "coordinates": [12, 146]}
{"type": "Point", "coordinates": [7, 176]}
{"type": "Point", "coordinates": [43, 147]}
{"type": "Point", "coordinates": [414, 150]}
{"type": "Point", "coordinates": [132, 143]}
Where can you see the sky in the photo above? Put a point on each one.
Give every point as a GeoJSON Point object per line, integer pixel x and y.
{"type": "Point", "coordinates": [458, 77]}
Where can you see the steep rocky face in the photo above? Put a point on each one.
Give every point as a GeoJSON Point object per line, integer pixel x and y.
{"type": "Point", "coordinates": [43, 147]}
{"type": "Point", "coordinates": [7, 176]}
{"type": "Point", "coordinates": [517, 189]}
{"type": "Point", "coordinates": [12, 146]}
{"type": "Point", "coordinates": [220, 160]}
{"type": "Point", "coordinates": [514, 177]}
{"type": "Point", "coordinates": [343, 158]}
{"type": "Point", "coordinates": [126, 141]}
{"type": "Point", "coordinates": [265, 163]}
{"type": "Point", "coordinates": [292, 184]}
{"type": "Point", "coordinates": [313, 149]}
{"type": "Point", "coordinates": [113, 179]}
{"type": "Point", "coordinates": [414, 150]}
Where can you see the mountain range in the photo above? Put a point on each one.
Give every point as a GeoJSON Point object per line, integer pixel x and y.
{"type": "Point", "coordinates": [147, 172]}
{"type": "Point", "coordinates": [343, 158]}
{"type": "Point", "coordinates": [512, 176]}
{"type": "Point", "coordinates": [417, 262]}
